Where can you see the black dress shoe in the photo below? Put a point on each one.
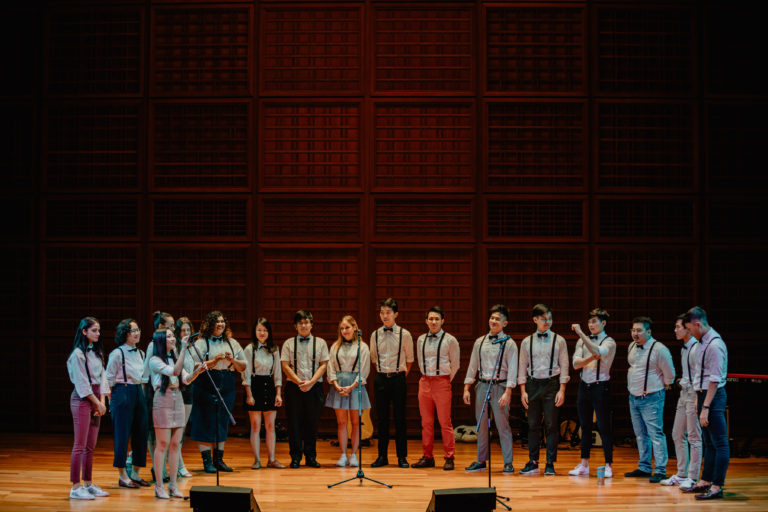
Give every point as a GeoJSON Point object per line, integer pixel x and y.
{"type": "Point", "coordinates": [402, 462]}
{"type": "Point", "coordinates": [381, 461]}
{"type": "Point", "coordinates": [709, 495]}
{"type": "Point", "coordinates": [140, 482]}
{"type": "Point", "coordinates": [637, 473]}
{"type": "Point", "coordinates": [295, 463]}
{"type": "Point", "coordinates": [312, 463]}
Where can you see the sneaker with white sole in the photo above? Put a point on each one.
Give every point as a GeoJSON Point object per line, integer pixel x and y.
{"type": "Point", "coordinates": [580, 470]}
{"type": "Point", "coordinates": [531, 468]}
{"type": "Point", "coordinates": [686, 483]}
{"type": "Point", "coordinates": [97, 491]}
{"type": "Point", "coordinates": [673, 480]}
{"type": "Point", "coordinates": [353, 461]}
{"type": "Point", "coordinates": [342, 462]}
{"type": "Point", "coordinates": [608, 472]}
{"type": "Point", "coordinates": [81, 493]}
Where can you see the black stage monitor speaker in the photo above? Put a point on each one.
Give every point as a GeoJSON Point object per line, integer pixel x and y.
{"type": "Point", "coordinates": [204, 498]}
{"type": "Point", "coordinates": [465, 499]}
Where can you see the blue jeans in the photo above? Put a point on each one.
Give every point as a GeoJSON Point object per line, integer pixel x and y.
{"type": "Point", "coordinates": [716, 449]}
{"type": "Point", "coordinates": [648, 422]}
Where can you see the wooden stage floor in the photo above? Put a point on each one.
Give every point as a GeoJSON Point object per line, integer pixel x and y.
{"type": "Point", "coordinates": [34, 471]}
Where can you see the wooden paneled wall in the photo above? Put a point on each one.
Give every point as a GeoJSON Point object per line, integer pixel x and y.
{"type": "Point", "coordinates": [259, 157]}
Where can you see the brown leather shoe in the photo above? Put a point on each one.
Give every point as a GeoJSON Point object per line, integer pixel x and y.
{"type": "Point", "coordinates": [424, 462]}
{"type": "Point", "coordinates": [140, 482]}
{"type": "Point", "coordinates": [448, 466]}
{"type": "Point", "coordinates": [275, 464]}
{"type": "Point", "coordinates": [129, 484]}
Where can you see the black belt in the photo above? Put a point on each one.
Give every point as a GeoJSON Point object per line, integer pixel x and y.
{"type": "Point", "coordinates": [548, 379]}
{"type": "Point", "coordinates": [392, 374]}
{"type": "Point", "coordinates": [492, 381]}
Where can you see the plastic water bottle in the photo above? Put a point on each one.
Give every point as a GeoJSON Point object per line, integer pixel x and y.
{"type": "Point", "coordinates": [601, 475]}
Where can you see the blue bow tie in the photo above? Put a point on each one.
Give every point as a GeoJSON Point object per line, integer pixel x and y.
{"type": "Point", "coordinates": [302, 339]}
{"type": "Point", "coordinates": [542, 334]}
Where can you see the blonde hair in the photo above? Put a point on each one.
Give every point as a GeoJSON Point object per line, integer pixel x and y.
{"type": "Point", "coordinates": [340, 339]}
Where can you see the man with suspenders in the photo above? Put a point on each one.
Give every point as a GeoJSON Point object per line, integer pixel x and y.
{"type": "Point", "coordinates": [392, 353]}
{"type": "Point", "coordinates": [438, 355]}
{"type": "Point", "coordinates": [493, 346]}
{"type": "Point", "coordinates": [650, 371]}
{"type": "Point", "coordinates": [709, 378]}
{"type": "Point", "coordinates": [542, 375]}
{"type": "Point", "coordinates": [304, 359]}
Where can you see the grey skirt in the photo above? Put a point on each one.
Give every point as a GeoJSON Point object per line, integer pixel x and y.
{"type": "Point", "coordinates": [335, 401]}
{"type": "Point", "coordinates": [168, 409]}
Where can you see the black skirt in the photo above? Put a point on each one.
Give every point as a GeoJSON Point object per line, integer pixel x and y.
{"type": "Point", "coordinates": [210, 423]}
{"type": "Point", "coordinates": [264, 392]}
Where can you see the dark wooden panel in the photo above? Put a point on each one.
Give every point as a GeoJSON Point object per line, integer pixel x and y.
{"type": "Point", "coordinates": [18, 399]}
{"type": "Point", "coordinates": [311, 49]}
{"type": "Point", "coordinates": [311, 145]}
{"type": "Point", "coordinates": [646, 218]}
{"type": "Point", "coordinates": [535, 49]}
{"type": "Point", "coordinates": [19, 145]}
{"type": "Point", "coordinates": [426, 145]}
{"type": "Point", "coordinates": [94, 145]}
{"type": "Point", "coordinates": [200, 145]}
{"type": "Point", "coordinates": [645, 145]}
{"type": "Point", "coordinates": [423, 49]}
{"type": "Point", "coordinates": [201, 50]}
{"type": "Point", "coordinates": [423, 219]}
{"type": "Point", "coordinates": [733, 145]}
{"type": "Point", "coordinates": [536, 145]}
{"type": "Point", "coordinates": [523, 218]}
{"type": "Point", "coordinates": [522, 276]}
{"type": "Point", "coordinates": [212, 218]}
{"type": "Point", "coordinates": [90, 217]}
{"type": "Point", "coordinates": [85, 280]}
{"type": "Point", "coordinates": [193, 280]}
{"type": "Point", "coordinates": [95, 51]}
{"type": "Point", "coordinates": [316, 219]}
{"type": "Point", "coordinates": [17, 287]}
{"type": "Point", "coordinates": [648, 50]}
{"type": "Point", "coordinates": [21, 50]}
{"type": "Point", "coordinates": [736, 219]}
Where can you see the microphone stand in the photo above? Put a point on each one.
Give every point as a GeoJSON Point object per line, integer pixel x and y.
{"type": "Point", "coordinates": [360, 475]}
{"type": "Point", "coordinates": [219, 401]}
{"type": "Point", "coordinates": [486, 403]}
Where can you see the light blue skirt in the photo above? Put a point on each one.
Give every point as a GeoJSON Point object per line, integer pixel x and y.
{"type": "Point", "coordinates": [335, 401]}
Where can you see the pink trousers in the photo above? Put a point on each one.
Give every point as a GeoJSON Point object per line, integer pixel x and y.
{"type": "Point", "coordinates": [435, 393]}
{"type": "Point", "coordinates": [86, 427]}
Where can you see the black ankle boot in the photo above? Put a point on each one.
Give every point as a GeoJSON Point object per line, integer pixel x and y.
{"type": "Point", "coordinates": [218, 456]}
{"type": "Point", "coordinates": [208, 466]}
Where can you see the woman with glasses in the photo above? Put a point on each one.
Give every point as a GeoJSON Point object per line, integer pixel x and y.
{"type": "Point", "coordinates": [127, 406]}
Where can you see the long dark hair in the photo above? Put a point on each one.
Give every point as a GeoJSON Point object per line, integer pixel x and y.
{"type": "Point", "coordinates": [271, 347]}
{"type": "Point", "coordinates": [160, 341]}
{"type": "Point", "coordinates": [82, 342]}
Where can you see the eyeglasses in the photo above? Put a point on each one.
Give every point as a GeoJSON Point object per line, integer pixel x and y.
{"type": "Point", "coordinates": [135, 330]}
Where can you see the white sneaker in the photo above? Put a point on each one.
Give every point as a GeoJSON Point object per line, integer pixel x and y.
{"type": "Point", "coordinates": [353, 461]}
{"type": "Point", "coordinates": [96, 491]}
{"type": "Point", "coordinates": [80, 494]}
{"type": "Point", "coordinates": [686, 483]}
{"type": "Point", "coordinates": [608, 472]}
{"type": "Point", "coordinates": [342, 460]}
{"type": "Point", "coordinates": [580, 470]}
{"type": "Point", "coordinates": [673, 480]}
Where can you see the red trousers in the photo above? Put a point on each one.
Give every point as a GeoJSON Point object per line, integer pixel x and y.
{"type": "Point", "coordinates": [435, 393]}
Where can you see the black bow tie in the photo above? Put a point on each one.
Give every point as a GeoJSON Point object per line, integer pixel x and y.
{"type": "Point", "coordinates": [90, 348]}
{"type": "Point", "coordinates": [264, 346]}
{"type": "Point", "coordinates": [302, 339]}
{"type": "Point", "coordinates": [493, 337]}
{"type": "Point", "coordinates": [217, 338]}
{"type": "Point", "coordinates": [542, 334]}
{"type": "Point", "coordinates": [593, 336]}
{"type": "Point", "coordinates": [430, 335]}
{"type": "Point", "coordinates": [348, 341]}
{"type": "Point", "coordinates": [390, 329]}
{"type": "Point", "coordinates": [134, 349]}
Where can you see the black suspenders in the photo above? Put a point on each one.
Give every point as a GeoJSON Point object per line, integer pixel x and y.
{"type": "Point", "coordinates": [125, 376]}
{"type": "Point", "coordinates": [399, 348]}
{"type": "Point", "coordinates": [647, 364]}
{"type": "Point", "coordinates": [424, 353]}
{"type": "Point", "coordinates": [338, 362]}
{"type": "Point", "coordinates": [253, 360]}
{"type": "Point", "coordinates": [295, 350]}
{"type": "Point", "coordinates": [701, 382]}
{"type": "Point", "coordinates": [551, 357]}
{"type": "Point", "coordinates": [480, 359]}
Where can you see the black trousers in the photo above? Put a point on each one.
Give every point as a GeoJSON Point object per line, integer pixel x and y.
{"type": "Point", "coordinates": [391, 390]}
{"type": "Point", "coordinates": [129, 422]}
{"type": "Point", "coordinates": [595, 397]}
{"type": "Point", "coordinates": [541, 402]}
{"type": "Point", "coordinates": [303, 410]}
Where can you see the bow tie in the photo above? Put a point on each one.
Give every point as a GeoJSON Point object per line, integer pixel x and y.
{"type": "Point", "coordinates": [134, 349]}
{"type": "Point", "coordinates": [90, 348]}
{"type": "Point", "coordinates": [348, 341]}
{"type": "Point", "coordinates": [593, 336]}
{"type": "Point", "coordinates": [302, 339]}
{"type": "Point", "coordinates": [217, 338]}
{"type": "Point", "coordinates": [264, 346]}
{"type": "Point", "coordinates": [390, 329]}
{"type": "Point", "coordinates": [430, 335]}
{"type": "Point", "coordinates": [542, 334]}
{"type": "Point", "coordinates": [493, 337]}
